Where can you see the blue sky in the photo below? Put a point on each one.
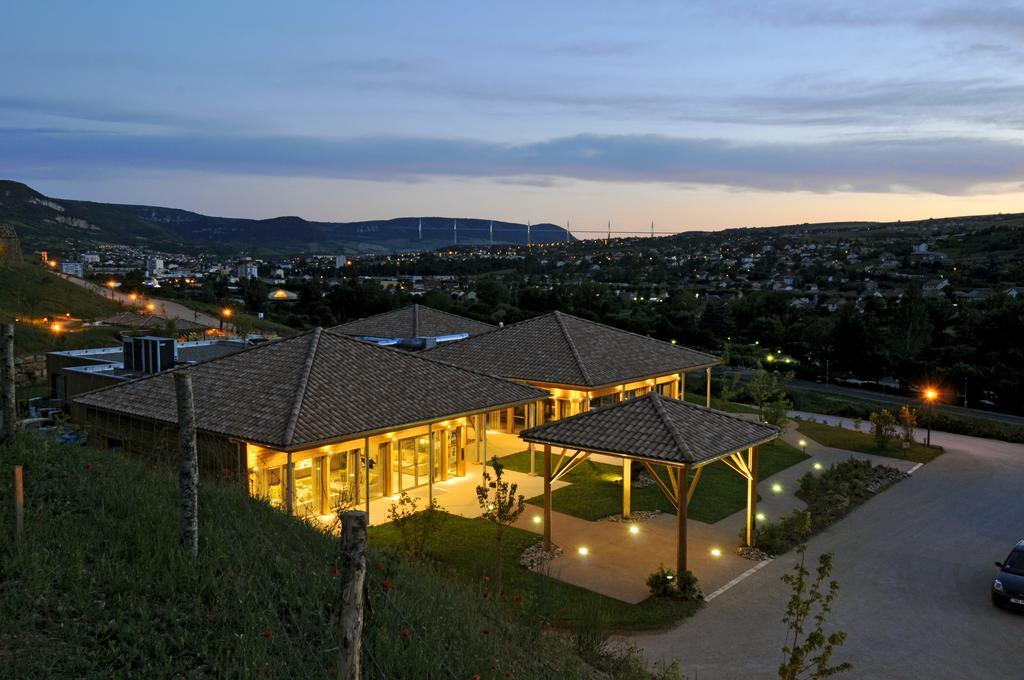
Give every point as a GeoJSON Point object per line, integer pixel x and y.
{"type": "Point", "coordinates": [694, 115]}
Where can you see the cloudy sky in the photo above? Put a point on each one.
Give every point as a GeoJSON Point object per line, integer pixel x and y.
{"type": "Point", "coordinates": [692, 114]}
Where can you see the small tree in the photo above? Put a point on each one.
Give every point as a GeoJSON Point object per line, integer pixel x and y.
{"type": "Point", "coordinates": [883, 427]}
{"type": "Point", "coordinates": [417, 529]}
{"type": "Point", "coordinates": [809, 605]}
{"type": "Point", "coordinates": [776, 412]}
{"type": "Point", "coordinates": [502, 506]}
{"type": "Point", "coordinates": [729, 388]}
{"type": "Point", "coordinates": [766, 388]}
{"type": "Point", "coordinates": [908, 421]}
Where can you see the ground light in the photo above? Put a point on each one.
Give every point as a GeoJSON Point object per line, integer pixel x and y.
{"type": "Point", "coordinates": [803, 445]}
{"type": "Point", "coordinates": [715, 552]}
{"type": "Point", "coordinates": [634, 529]}
{"type": "Point", "coordinates": [583, 550]}
{"type": "Point", "coordinates": [817, 466]}
{"type": "Point", "coordinates": [537, 519]}
{"type": "Point", "coordinates": [776, 488]}
{"type": "Point", "coordinates": [759, 516]}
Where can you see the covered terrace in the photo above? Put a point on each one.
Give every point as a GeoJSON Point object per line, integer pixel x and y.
{"type": "Point", "coordinates": [671, 439]}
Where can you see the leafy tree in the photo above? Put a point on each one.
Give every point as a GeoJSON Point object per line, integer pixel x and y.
{"type": "Point", "coordinates": [883, 427]}
{"type": "Point", "coordinates": [502, 506]}
{"type": "Point", "coordinates": [766, 388]}
{"type": "Point", "coordinates": [908, 421]}
{"type": "Point", "coordinates": [417, 529]}
{"type": "Point", "coordinates": [808, 653]}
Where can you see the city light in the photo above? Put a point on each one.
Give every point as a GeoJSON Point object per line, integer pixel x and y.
{"type": "Point", "coordinates": [56, 327]}
{"type": "Point", "coordinates": [150, 307]}
{"type": "Point", "coordinates": [226, 312]}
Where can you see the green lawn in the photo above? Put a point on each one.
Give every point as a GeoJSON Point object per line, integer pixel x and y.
{"type": "Point", "coordinates": [596, 492]}
{"type": "Point", "coordinates": [465, 548]}
{"type": "Point", "coordinates": [851, 440]}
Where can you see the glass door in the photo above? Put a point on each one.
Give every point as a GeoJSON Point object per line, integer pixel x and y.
{"type": "Point", "coordinates": [307, 487]}
{"type": "Point", "coordinates": [453, 450]}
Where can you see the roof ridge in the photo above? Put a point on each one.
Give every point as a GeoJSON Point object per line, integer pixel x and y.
{"type": "Point", "coordinates": [307, 368]}
{"type": "Point", "coordinates": [677, 436]}
{"type": "Point", "coordinates": [415, 320]}
{"type": "Point", "coordinates": [572, 346]}
{"type": "Point", "coordinates": [638, 335]}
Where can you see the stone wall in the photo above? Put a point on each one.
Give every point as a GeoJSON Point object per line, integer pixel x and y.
{"type": "Point", "coordinates": [30, 369]}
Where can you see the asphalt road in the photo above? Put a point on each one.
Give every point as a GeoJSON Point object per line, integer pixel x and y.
{"type": "Point", "coordinates": [915, 565]}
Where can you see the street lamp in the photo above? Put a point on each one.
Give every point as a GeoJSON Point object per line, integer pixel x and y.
{"type": "Point", "coordinates": [930, 395]}
{"type": "Point", "coordinates": [224, 314]}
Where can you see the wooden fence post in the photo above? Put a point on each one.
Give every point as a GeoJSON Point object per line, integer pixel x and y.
{"type": "Point", "coordinates": [10, 414]}
{"type": "Point", "coordinates": [351, 600]}
{"type": "Point", "coordinates": [19, 504]}
{"type": "Point", "coordinates": [189, 474]}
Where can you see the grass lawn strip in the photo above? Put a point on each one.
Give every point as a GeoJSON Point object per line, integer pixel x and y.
{"type": "Point", "coordinates": [851, 440]}
{"type": "Point", "coordinates": [595, 491]}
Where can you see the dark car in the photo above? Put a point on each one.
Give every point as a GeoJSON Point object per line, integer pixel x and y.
{"type": "Point", "coordinates": [1008, 588]}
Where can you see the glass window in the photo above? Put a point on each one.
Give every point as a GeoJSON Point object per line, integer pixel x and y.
{"type": "Point", "coordinates": [307, 487]}
{"type": "Point", "coordinates": [342, 489]}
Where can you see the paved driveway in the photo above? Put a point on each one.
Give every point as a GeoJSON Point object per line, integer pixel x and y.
{"type": "Point", "coordinates": [915, 566]}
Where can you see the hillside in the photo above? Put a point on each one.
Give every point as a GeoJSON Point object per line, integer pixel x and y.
{"type": "Point", "coordinates": [32, 293]}
{"type": "Point", "coordinates": [44, 222]}
{"type": "Point", "coordinates": [100, 588]}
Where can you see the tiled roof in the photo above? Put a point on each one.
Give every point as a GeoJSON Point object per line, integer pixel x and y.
{"type": "Point", "coordinates": [133, 320]}
{"type": "Point", "coordinates": [656, 428]}
{"type": "Point", "coordinates": [567, 350]}
{"type": "Point", "coordinates": [411, 322]}
{"type": "Point", "coordinates": [316, 387]}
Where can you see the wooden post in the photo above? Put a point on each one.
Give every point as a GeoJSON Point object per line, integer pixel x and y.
{"type": "Point", "coordinates": [290, 478]}
{"type": "Point", "coordinates": [627, 485]}
{"type": "Point", "coordinates": [752, 497]}
{"type": "Point", "coordinates": [430, 473]}
{"type": "Point", "coordinates": [681, 515]}
{"type": "Point", "coordinates": [531, 420]}
{"type": "Point", "coordinates": [709, 387]}
{"type": "Point", "coordinates": [10, 414]}
{"type": "Point", "coordinates": [547, 497]}
{"type": "Point", "coordinates": [366, 474]}
{"type": "Point", "coordinates": [188, 477]}
{"type": "Point", "coordinates": [351, 598]}
{"type": "Point", "coordinates": [19, 504]}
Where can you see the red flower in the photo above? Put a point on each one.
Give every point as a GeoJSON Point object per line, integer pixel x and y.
{"type": "Point", "coordinates": [332, 671]}
{"type": "Point", "coordinates": [386, 584]}
{"type": "Point", "coordinates": [209, 619]}
{"type": "Point", "coordinates": [378, 565]}
{"type": "Point", "coordinates": [267, 634]}
{"type": "Point", "coordinates": [260, 670]}
{"type": "Point", "coordinates": [487, 579]}
{"type": "Point", "coordinates": [88, 466]}
{"type": "Point", "coordinates": [333, 571]}
{"type": "Point", "coordinates": [476, 677]}
{"type": "Point", "coordinates": [508, 674]}
{"type": "Point", "coordinates": [516, 598]}
{"type": "Point", "coordinates": [406, 634]}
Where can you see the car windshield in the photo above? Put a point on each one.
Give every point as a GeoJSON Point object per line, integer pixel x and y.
{"type": "Point", "coordinates": [1015, 563]}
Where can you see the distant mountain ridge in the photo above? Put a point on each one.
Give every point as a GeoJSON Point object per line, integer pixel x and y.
{"type": "Point", "coordinates": [45, 222]}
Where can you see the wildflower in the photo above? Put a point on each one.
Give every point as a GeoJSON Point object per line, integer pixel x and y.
{"type": "Point", "coordinates": [333, 571]}
{"type": "Point", "coordinates": [88, 466]}
{"type": "Point", "coordinates": [378, 565]}
{"type": "Point", "coordinates": [406, 634]}
{"type": "Point", "coordinates": [516, 598]}
{"type": "Point", "coordinates": [386, 584]}
{"type": "Point", "coordinates": [332, 671]}
{"type": "Point", "coordinates": [487, 579]}
{"type": "Point", "coordinates": [267, 634]}
{"type": "Point", "coordinates": [260, 670]}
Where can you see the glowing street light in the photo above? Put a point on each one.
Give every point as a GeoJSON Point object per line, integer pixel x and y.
{"type": "Point", "coordinates": [150, 307]}
{"type": "Point", "coordinates": [930, 396]}
{"type": "Point", "coordinates": [225, 313]}
{"type": "Point", "coordinates": [803, 445]}
{"type": "Point", "coordinates": [56, 328]}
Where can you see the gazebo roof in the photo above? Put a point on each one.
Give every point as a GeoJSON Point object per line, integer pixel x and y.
{"type": "Point", "coordinates": [562, 349]}
{"type": "Point", "coordinates": [655, 428]}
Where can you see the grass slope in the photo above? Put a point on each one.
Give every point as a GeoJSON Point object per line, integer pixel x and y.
{"type": "Point", "coordinates": [30, 291]}
{"type": "Point", "coordinates": [595, 491]}
{"type": "Point", "coordinates": [851, 440]}
{"type": "Point", "coordinates": [100, 588]}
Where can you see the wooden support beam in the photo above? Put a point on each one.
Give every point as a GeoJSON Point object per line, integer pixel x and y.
{"type": "Point", "coordinates": [681, 517]}
{"type": "Point", "coordinates": [430, 472]}
{"type": "Point", "coordinates": [693, 484]}
{"type": "Point", "coordinates": [673, 478]}
{"type": "Point", "coordinates": [290, 476]}
{"type": "Point", "coordinates": [741, 464]}
{"type": "Point", "coordinates": [752, 497]}
{"type": "Point", "coordinates": [574, 462]}
{"type": "Point", "coordinates": [366, 465]}
{"type": "Point", "coordinates": [732, 465]}
{"type": "Point", "coordinates": [661, 484]}
{"type": "Point", "coordinates": [547, 497]}
{"type": "Point", "coordinates": [627, 487]}
{"type": "Point", "coordinates": [709, 387]}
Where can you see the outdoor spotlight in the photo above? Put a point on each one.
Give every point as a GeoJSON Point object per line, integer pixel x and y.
{"type": "Point", "coordinates": [715, 552]}
{"type": "Point", "coordinates": [759, 516]}
{"type": "Point", "coordinates": [817, 466]}
{"type": "Point", "coordinates": [776, 488]}
{"type": "Point", "coordinates": [584, 550]}
{"type": "Point", "coordinates": [536, 519]}
{"type": "Point", "coordinates": [634, 529]}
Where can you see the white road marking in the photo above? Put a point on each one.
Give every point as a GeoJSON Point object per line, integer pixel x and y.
{"type": "Point", "coordinates": [736, 580]}
{"type": "Point", "coordinates": [914, 469]}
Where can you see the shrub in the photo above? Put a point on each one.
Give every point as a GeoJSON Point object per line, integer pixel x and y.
{"type": "Point", "coordinates": [417, 529]}
{"type": "Point", "coordinates": [662, 582]}
{"type": "Point", "coordinates": [883, 427]}
{"type": "Point", "coordinates": [689, 587]}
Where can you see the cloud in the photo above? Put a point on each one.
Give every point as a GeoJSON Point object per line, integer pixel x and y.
{"type": "Point", "coordinates": [951, 165]}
